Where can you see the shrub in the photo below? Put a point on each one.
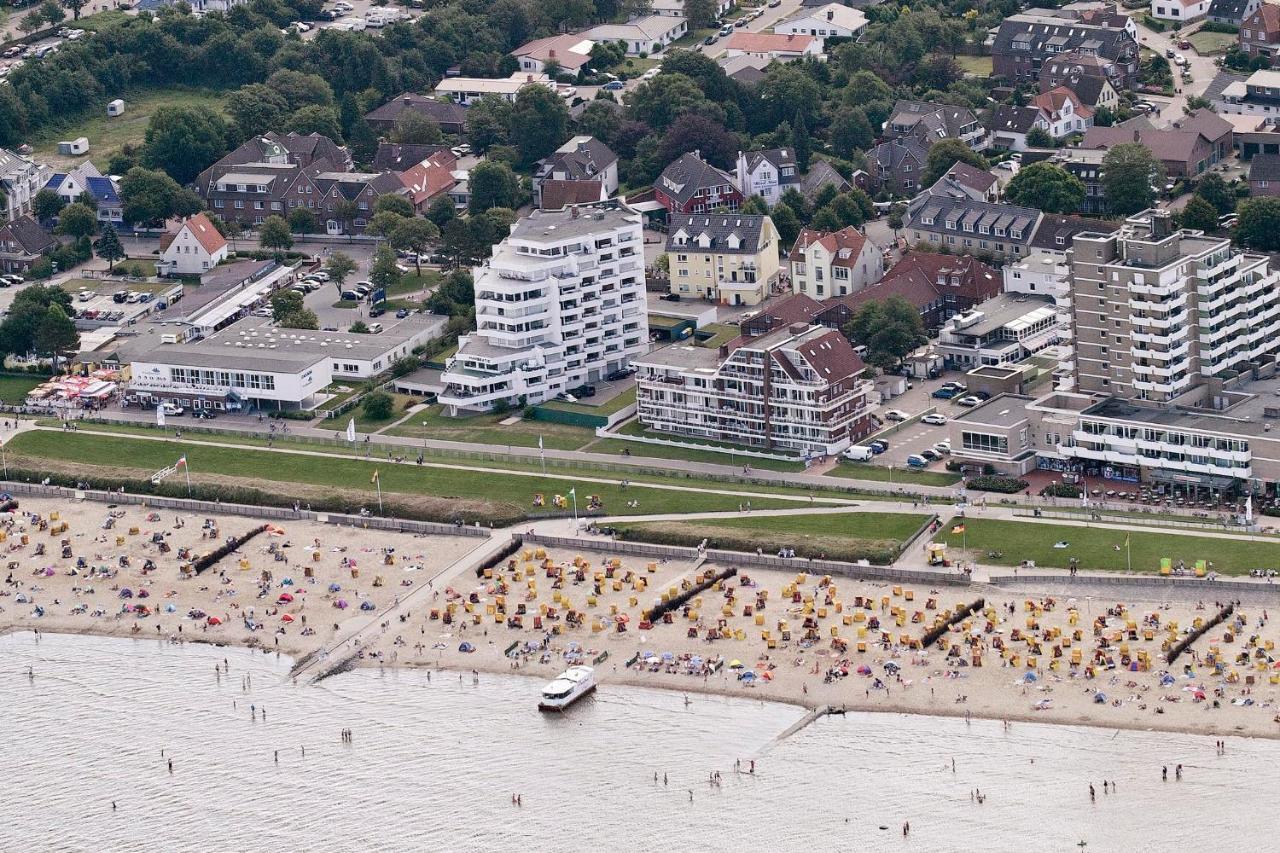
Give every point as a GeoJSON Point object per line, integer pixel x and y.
{"type": "Point", "coordinates": [1061, 490]}
{"type": "Point", "coordinates": [992, 483]}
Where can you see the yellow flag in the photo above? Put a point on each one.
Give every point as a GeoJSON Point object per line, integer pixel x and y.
{"type": "Point", "coordinates": [374, 478]}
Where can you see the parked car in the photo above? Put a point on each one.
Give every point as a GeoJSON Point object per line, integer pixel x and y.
{"type": "Point", "coordinates": [896, 415]}
{"type": "Point", "coordinates": [878, 446]}
{"type": "Point", "coordinates": [709, 40]}
{"type": "Point", "coordinates": [969, 401]}
{"type": "Point", "coordinates": [945, 393]}
{"type": "Point", "coordinates": [1184, 45]}
{"type": "Point", "coordinates": [859, 453]}
{"type": "Point", "coordinates": [670, 297]}
{"type": "Point", "coordinates": [930, 454]}
{"type": "Point", "coordinates": [934, 419]}
{"type": "Point", "coordinates": [621, 374]}
{"type": "Point", "coordinates": [402, 313]}
{"type": "Point", "coordinates": [350, 296]}
{"type": "Point", "coordinates": [203, 414]}
{"type": "Point", "coordinates": [319, 275]}
{"type": "Point", "coordinates": [133, 297]}
{"type": "Point", "coordinates": [376, 312]}
{"type": "Point", "coordinates": [172, 411]}
{"type": "Point", "coordinates": [583, 391]}
{"type": "Point", "coordinates": [943, 447]}
{"type": "Point", "coordinates": [615, 85]}
{"type": "Point", "coordinates": [917, 461]}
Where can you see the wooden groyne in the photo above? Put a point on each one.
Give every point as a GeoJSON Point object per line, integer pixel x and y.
{"type": "Point", "coordinates": [1197, 633]}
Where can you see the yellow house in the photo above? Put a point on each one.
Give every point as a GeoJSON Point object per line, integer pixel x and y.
{"type": "Point", "coordinates": [731, 258]}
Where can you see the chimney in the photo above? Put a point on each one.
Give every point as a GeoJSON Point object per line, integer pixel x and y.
{"type": "Point", "coordinates": [797, 328]}
{"type": "Point", "coordinates": [1161, 224]}
{"type": "Point", "coordinates": [830, 15]}
{"type": "Point", "coordinates": [408, 100]}
{"type": "Point", "coordinates": [723, 352]}
{"type": "Point", "coordinates": [551, 53]}
{"type": "Point", "coordinates": [1137, 137]}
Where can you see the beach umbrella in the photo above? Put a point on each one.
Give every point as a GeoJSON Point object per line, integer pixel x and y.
{"type": "Point", "coordinates": [214, 620]}
{"type": "Point", "coordinates": [466, 647]}
{"type": "Point", "coordinates": [864, 670]}
{"type": "Point", "coordinates": [1167, 680]}
{"type": "Point", "coordinates": [366, 605]}
{"type": "Point", "coordinates": [341, 604]}
{"type": "Point", "coordinates": [170, 608]}
{"type": "Point", "coordinates": [735, 664]}
{"type": "Point", "coordinates": [48, 572]}
{"type": "Point", "coordinates": [286, 582]}
{"type": "Point", "coordinates": [1099, 698]}
{"type": "Point", "coordinates": [1030, 677]}
{"type": "Point", "coordinates": [696, 660]}
{"type": "Point", "coordinates": [767, 676]}
{"type": "Point", "coordinates": [284, 598]}
{"type": "Point", "coordinates": [286, 618]}
{"type": "Point", "coordinates": [668, 656]}
{"type": "Point", "coordinates": [748, 675]}
{"type": "Point", "coordinates": [333, 587]}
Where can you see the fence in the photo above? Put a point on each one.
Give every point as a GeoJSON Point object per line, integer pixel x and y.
{"type": "Point", "coordinates": [1159, 586]}
{"type": "Point", "coordinates": [603, 432]}
{"type": "Point", "coordinates": [764, 561]}
{"type": "Point", "coordinates": [248, 510]}
{"type": "Point", "coordinates": [1137, 520]}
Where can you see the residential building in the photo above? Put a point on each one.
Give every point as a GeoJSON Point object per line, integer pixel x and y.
{"type": "Point", "coordinates": [581, 159]}
{"type": "Point", "coordinates": [429, 179]}
{"type": "Point", "coordinates": [1087, 75]}
{"type": "Point", "coordinates": [690, 184]}
{"type": "Point", "coordinates": [1010, 125]}
{"type": "Point", "coordinates": [468, 90]}
{"type": "Point", "coordinates": [557, 194]}
{"type": "Point", "coordinates": [675, 8]}
{"type": "Point", "coordinates": [1086, 164]}
{"type": "Point", "coordinates": [796, 389]}
{"type": "Point", "coordinates": [85, 182]}
{"type": "Point", "coordinates": [1158, 310]}
{"type": "Point", "coordinates": [1005, 329]}
{"type": "Point", "coordinates": [1260, 31]}
{"type": "Point", "coordinates": [1187, 148]}
{"type": "Point", "coordinates": [746, 69]}
{"type": "Point", "coordinates": [20, 179]}
{"type": "Point", "coordinates": [796, 308]}
{"type": "Point", "coordinates": [291, 148]}
{"type": "Point", "coordinates": [1264, 175]}
{"type": "Point", "coordinates": [965, 181]}
{"type": "Point", "coordinates": [727, 258]}
{"type": "Point", "coordinates": [398, 157]}
{"type": "Point", "coordinates": [191, 247]}
{"type": "Point", "coordinates": [569, 51]}
{"type": "Point", "coordinates": [939, 286]}
{"type": "Point", "coordinates": [998, 432]}
{"type": "Point", "coordinates": [1232, 12]}
{"type": "Point", "coordinates": [772, 46]}
{"type": "Point", "coordinates": [642, 36]}
{"type": "Point", "coordinates": [1258, 95]}
{"type": "Point", "coordinates": [1066, 112]}
{"type": "Point", "coordinates": [929, 123]}
{"type": "Point", "coordinates": [1179, 11]}
{"type": "Point", "coordinates": [1042, 274]}
{"type": "Point", "coordinates": [965, 226]}
{"type": "Point", "coordinates": [767, 173]}
{"type": "Point", "coordinates": [822, 174]}
{"type": "Point", "coordinates": [560, 303]}
{"type": "Point", "coordinates": [22, 242]}
{"type": "Point", "coordinates": [1023, 44]}
{"type": "Point", "coordinates": [834, 263]}
{"type": "Point", "coordinates": [896, 166]}
{"type": "Point", "coordinates": [449, 116]}
{"type": "Point", "coordinates": [834, 20]}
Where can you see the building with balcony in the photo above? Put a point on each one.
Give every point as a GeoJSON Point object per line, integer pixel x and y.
{"type": "Point", "coordinates": [798, 389]}
{"type": "Point", "coordinates": [561, 303]}
{"type": "Point", "coordinates": [1003, 330]}
{"type": "Point", "coordinates": [20, 179]}
{"type": "Point", "coordinates": [834, 263]}
{"type": "Point", "coordinates": [730, 258]}
{"type": "Point", "coordinates": [1158, 311]}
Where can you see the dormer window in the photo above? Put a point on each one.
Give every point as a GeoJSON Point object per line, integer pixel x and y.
{"type": "Point", "coordinates": [926, 220]}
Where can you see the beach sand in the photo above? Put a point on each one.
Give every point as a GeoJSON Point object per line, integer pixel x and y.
{"type": "Point", "coordinates": [548, 586]}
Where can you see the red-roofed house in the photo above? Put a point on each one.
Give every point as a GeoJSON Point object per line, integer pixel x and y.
{"type": "Point", "coordinates": [940, 286]}
{"type": "Point", "coordinates": [834, 263]}
{"type": "Point", "coordinates": [1066, 112]}
{"type": "Point", "coordinates": [429, 179]}
{"type": "Point", "coordinates": [796, 308]}
{"type": "Point", "coordinates": [783, 48]}
{"type": "Point", "coordinates": [191, 247]}
{"type": "Point", "coordinates": [558, 194]}
{"type": "Point", "coordinates": [1260, 32]}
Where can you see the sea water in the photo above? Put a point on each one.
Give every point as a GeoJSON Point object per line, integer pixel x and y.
{"type": "Point", "coordinates": [433, 763]}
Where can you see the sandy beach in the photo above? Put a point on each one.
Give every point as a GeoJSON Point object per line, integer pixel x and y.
{"type": "Point", "coordinates": [786, 637]}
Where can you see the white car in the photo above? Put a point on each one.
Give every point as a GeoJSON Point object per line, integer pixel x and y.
{"type": "Point", "coordinates": [943, 447]}
{"type": "Point", "coordinates": [320, 276]}
{"type": "Point", "coordinates": [969, 402]}
{"type": "Point", "coordinates": [896, 415]}
{"type": "Point", "coordinates": [651, 73]}
{"type": "Point", "coordinates": [935, 419]}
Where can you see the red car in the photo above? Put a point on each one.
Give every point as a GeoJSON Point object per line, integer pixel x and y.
{"type": "Point", "coordinates": [1184, 45]}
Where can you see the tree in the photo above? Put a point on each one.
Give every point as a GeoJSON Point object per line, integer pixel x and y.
{"type": "Point", "coordinates": [1259, 224]}
{"type": "Point", "coordinates": [77, 220]}
{"type": "Point", "coordinates": [441, 210]}
{"type": "Point", "coordinates": [47, 204]}
{"type": "Point", "coordinates": [184, 141]}
{"type": "Point", "coordinates": [1129, 175]}
{"type": "Point", "coordinates": [539, 123]}
{"type": "Point", "coordinates": [339, 267]}
{"type": "Point", "coordinates": [31, 22]}
{"type": "Point", "coordinates": [946, 153]}
{"type": "Point", "coordinates": [415, 235]}
{"type": "Point", "coordinates": [346, 210]}
{"type": "Point", "coordinates": [1199, 214]}
{"type": "Point", "coordinates": [284, 303]}
{"type": "Point", "coordinates": [151, 197]}
{"type": "Point", "coordinates": [379, 406]}
{"type": "Point", "coordinates": [51, 11]}
{"type": "Point", "coordinates": [314, 118]}
{"type": "Point", "coordinates": [701, 13]}
{"type": "Point", "coordinates": [850, 131]}
{"type": "Point", "coordinates": [274, 233]}
{"type": "Point", "coordinates": [493, 185]}
{"type": "Point", "coordinates": [383, 223]}
{"type": "Point", "coordinates": [300, 89]}
{"type": "Point", "coordinates": [1046, 186]}
{"type": "Point", "coordinates": [383, 272]}
{"type": "Point", "coordinates": [359, 327]}
{"type": "Point", "coordinates": [787, 223]}
{"type": "Point", "coordinates": [1038, 137]}
{"type": "Point", "coordinates": [488, 122]}
{"type": "Point", "coordinates": [456, 294]}
{"type": "Point", "coordinates": [109, 247]}
{"type": "Point", "coordinates": [1213, 189]}
{"type": "Point", "coordinates": [413, 128]}
{"type": "Point", "coordinates": [56, 334]}
{"type": "Point", "coordinates": [28, 311]}
{"type": "Point", "coordinates": [255, 109]}
{"type": "Point", "coordinates": [362, 142]}
{"type": "Point", "coordinates": [397, 204]}
{"type": "Point", "coordinates": [801, 143]}
{"type": "Point", "coordinates": [889, 329]}
{"type": "Point", "coordinates": [304, 319]}
{"type": "Point", "coordinates": [302, 220]}
{"type": "Point", "coordinates": [694, 132]}
{"type": "Point", "coordinates": [756, 206]}
{"type": "Point", "coordinates": [660, 101]}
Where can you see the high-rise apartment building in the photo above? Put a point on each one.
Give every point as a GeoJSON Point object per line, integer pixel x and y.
{"type": "Point", "coordinates": [1157, 310]}
{"type": "Point", "coordinates": [561, 303]}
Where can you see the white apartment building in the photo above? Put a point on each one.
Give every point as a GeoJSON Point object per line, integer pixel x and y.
{"type": "Point", "coordinates": [468, 90]}
{"type": "Point", "coordinates": [1041, 274]}
{"type": "Point", "coordinates": [560, 303]}
{"type": "Point", "coordinates": [1002, 330]}
{"type": "Point", "coordinates": [1158, 310]}
{"type": "Point", "coordinates": [797, 389]}
{"type": "Point", "coordinates": [834, 263]}
{"type": "Point", "coordinates": [20, 179]}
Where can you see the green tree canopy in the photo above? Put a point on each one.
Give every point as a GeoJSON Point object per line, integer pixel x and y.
{"type": "Point", "coordinates": [77, 220]}
{"type": "Point", "coordinates": [946, 153]}
{"type": "Point", "coordinates": [890, 329]}
{"type": "Point", "coordinates": [150, 197]}
{"type": "Point", "coordinates": [339, 267]}
{"type": "Point", "coordinates": [415, 235]}
{"type": "Point", "coordinates": [413, 128]}
{"type": "Point", "coordinates": [274, 233]}
{"type": "Point", "coordinates": [47, 204]}
{"type": "Point", "coordinates": [1046, 186]}
{"type": "Point", "coordinates": [1199, 214]}
{"type": "Point", "coordinates": [109, 246]}
{"type": "Point", "coordinates": [493, 185]}
{"type": "Point", "coordinates": [184, 141]}
{"type": "Point", "coordinates": [539, 123]}
{"type": "Point", "coordinates": [1129, 173]}
{"type": "Point", "coordinates": [1213, 189]}
{"type": "Point", "coordinates": [1259, 224]}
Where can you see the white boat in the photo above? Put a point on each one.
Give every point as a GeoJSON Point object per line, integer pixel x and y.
{"type": "Point", "coordinates": [568, 687]}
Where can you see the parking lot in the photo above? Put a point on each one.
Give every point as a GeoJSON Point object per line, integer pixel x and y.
{"type": "Point", "coordinates": [117, 302]}
{"type": "Point", "coordinates": [917, 435]}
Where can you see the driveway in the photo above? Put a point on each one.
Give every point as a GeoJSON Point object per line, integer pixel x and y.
{"type": "Point", "coordinates": [1203, 71]}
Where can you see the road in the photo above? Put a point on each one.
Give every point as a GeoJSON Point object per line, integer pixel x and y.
{"type": "Point", "coordinates": [764, 23]}
{"type": "Point", "coordinates": [1203, 70]}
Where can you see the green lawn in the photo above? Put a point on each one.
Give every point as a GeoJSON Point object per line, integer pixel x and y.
{"type": "Point", "coordinates": [107, 135]}
{"type": "Point", "coordinates": [721, 333]}
{"type": "Point", "coordinates": [635, 427]}
{"type": "Point", "coordinates": [877, 536]}
{"type": "Point", "coordinates": [617, 404]}
{"type": "Point", "coordinates": [365, 424]}
{"type": "Point", "coordinates": [486, 429]}
{"type": "Point", "coordinates": [15, 388]}
{"type": "Point", "coordinates": [1207, 44]}
{"type": "Point", "coordinates": [899, 475]}
{"type": "Point", "coordinates": [641, 450]}
{"type": "Point", "coordinates": [1097, 548]}
{"type": "Point", "coordinates": [413, 283]}
{"type": "Point", "coordinates": [264, 468]}
{"type": "Point", "coordinates": [98, 20]}
{"type": "Point", "coordinates": [975, 66]}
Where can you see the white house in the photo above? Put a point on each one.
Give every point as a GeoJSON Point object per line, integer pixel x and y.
{"type": "Point", "coordinates": [781, 47]}
{"type": "Point", "coordinates": [833, 20]}
{"type": "Point", "coordinates": [561, 303]}
{"type": "Point", "coordinates": [834, 263]}
{"type": "Point", "coordinates": [1180, 11]}
{"type": "Point", "coordinates": [192, 248]}
{"type": "Point", "coordinates": [646, 35]}
{"type": "Point", "coordinates": [467, 90]}
{"type": "Point", "coordinates": [20, 179]}
{"type": "Point", "coordinates": [1065, 112]}
{"type": "Point", "coordinates": [767, 173]}
{"type": "Point", "coordinates": [569, 51]}
{"type": "Point", "coordinates": [675, 8]}
{"type": "Point", "coordinates": [86, 179]}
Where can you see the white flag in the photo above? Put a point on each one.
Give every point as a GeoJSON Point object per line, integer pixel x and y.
{"type": "Point", "coordinates": [351, 430]}
{"type": "Point", "coordinates": [573, 493]}
{"type": "Point", "coordinates": [1248, 509]}
{"type": "Point", "coordinates": [160, 415]}
{"type": "Point", "coordinates": [539, 443]}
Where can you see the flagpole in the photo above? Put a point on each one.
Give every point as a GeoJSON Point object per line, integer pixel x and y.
{"type": "Point", "coordinates": [186, 466]}
{"type": "Point", "coordinates": [573, 493]}
{"type": "Point", "coordinates": [4, 460]}
{"type": "Point", "coordinates": [379, 481]}
{"type": "Point", "coordinates": [1128, 556]}
{"type": "Point", "coordinates": [542, 456]}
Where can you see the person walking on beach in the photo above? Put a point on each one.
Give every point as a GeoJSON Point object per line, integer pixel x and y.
{"type": "Point", "coordinates": [1178, 773]}
{"type": "Point", "coordinates": [906, 828]}
{"type": "Point", "coordinates": [1093, 795]}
